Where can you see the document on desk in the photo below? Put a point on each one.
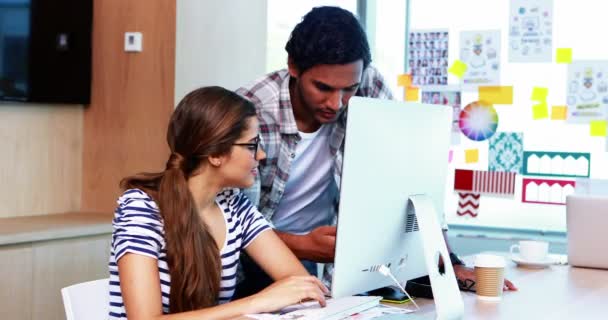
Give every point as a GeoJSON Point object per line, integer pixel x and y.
{"type": "Point", "coordinates": [336, 309]}
{"type": "Point", "coordinates": [378, 312]}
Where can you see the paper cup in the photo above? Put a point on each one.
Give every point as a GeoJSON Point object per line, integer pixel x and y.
{"type": "Point", "coordinates": [489, 271]}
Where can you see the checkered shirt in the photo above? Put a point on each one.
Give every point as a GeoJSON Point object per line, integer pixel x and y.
{"type": "Point", "coordinates": [279, 133]}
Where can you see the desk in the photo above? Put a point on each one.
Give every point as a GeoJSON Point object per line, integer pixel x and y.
{"type": "Point", "coordinates": [557, 292]}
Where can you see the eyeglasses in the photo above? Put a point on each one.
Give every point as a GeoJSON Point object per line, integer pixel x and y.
{"type": "Point", "coordinates": [252, 146]}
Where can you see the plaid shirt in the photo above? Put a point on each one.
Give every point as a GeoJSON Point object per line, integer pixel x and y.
{"type": "Point", "coordinates": [279, 133]}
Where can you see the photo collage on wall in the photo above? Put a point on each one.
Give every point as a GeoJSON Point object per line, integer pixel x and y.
{"type": "Point", "coordinates": [428, 57]}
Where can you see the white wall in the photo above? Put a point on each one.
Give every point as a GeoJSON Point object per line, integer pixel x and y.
{"type": "Point", "coordinates": [385, 27]}
{"type": "Point", "coordinates": [219, 43]}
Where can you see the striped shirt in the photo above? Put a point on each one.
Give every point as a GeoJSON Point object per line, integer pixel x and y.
{"type": "Point", "coordinates": [139, 229]}
{"type": "Point", "coordinates": [279, 133]}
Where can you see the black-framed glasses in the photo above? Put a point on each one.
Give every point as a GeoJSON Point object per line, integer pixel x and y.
{"type": "Point", "coordinates": [252, 146]}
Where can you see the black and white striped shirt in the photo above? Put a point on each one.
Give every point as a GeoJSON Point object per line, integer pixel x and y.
{"type": "Point", "coordinates": [139, 229]}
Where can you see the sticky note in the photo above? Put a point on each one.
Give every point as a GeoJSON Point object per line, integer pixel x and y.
{"type": "Point", "coordinates": [411, 93]}
{"type": "Point", "coordinates": [540, 111]}
{"type": "Point", "coordinates": [450, 156]}
{"type": "Point", "coordinates": [458, 68]}
{"type": "Point", "coordinates": [471, 155]}
{"type": "Point", "coordinates": [564, 55]}
{"type": "Point", "coordinates": [496, 94]}
{"type": "Point", "coordinates": [598, 128]}
{"type": "Point", "coordinates": [559, 112]}
{"type": "Point", "coordinates": [539, 94]}
{"type": "Point", "coordinates": [404, 80]}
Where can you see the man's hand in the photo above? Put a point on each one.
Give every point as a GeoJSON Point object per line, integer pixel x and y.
{"type": "Point", "coordinates": [463, 273]}
{"type": "Point", "coordinates": [319, 245]}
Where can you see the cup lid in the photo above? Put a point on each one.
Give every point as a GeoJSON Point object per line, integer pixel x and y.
{"type": "Point", "coordinates": [489, 261]}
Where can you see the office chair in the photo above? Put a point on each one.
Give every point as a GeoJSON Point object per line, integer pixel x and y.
{"type": "Point", "coordinates": [86, 300]}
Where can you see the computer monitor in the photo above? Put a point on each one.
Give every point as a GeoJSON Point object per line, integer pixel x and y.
{"type": "Point", "coordinates": [393, 151]}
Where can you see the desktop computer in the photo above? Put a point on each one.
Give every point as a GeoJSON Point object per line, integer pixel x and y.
{"type": "Point", "coordinates": [393, 185]}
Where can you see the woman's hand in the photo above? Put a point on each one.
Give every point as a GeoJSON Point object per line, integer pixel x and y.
{"type": "Point", "coordinates": [288, 291]}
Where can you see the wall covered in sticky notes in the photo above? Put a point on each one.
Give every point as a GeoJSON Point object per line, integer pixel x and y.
{"type": "Point", "coordinates": [545, 75]}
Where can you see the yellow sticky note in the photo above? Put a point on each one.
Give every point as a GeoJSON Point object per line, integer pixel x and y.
{"type": "Point", "coordinates": [471, 155]}
{"type": "Point", "coordinates": [404, 80]}
{"type": "Point", "coordinates": [598, 128]}
{"type": "Point", "coordinates": [564, 55]}
{"type": "Point", "coordinates": [559, 112]}
{"type": "Point", "coordinates": [496, 94]}
{"type": "Point", "coordinates": [458, 68]}
{"type": "Point", "coordinates": [540, 111]}
{"type": "Point", "coordinates": [411, 93]}
{"type": "Point", "coordinates": [539, 94]}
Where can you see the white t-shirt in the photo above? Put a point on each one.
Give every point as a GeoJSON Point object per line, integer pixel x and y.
{"type": "Point", "coordinates": [310, 190]}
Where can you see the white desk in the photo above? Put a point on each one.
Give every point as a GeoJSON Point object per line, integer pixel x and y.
{"type": "Point", "coordinates": [557, 292]}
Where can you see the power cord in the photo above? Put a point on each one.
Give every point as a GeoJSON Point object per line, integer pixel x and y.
{"type": "Point", "coordinates": [385, 271]}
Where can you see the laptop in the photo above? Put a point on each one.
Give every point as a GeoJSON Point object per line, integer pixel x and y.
{"type": "Point", "coordinates": [587, 225]}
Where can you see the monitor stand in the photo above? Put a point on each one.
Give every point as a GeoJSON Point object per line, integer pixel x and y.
{"type": "Point", "coordinates": [448, 301]}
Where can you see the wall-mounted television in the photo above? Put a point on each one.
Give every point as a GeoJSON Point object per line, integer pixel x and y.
{"type": "Point", "coordinates": [45, 50]}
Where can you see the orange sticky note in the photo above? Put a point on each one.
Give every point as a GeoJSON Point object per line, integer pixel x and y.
{"type": "Point", "coordinates": [540, 111]}
{"type": "Point", "coordinates": [471, 155]}
{"type": "Point", "coordinates": [458, 68]}
{"type": "Point", "coordinates": [412, 93]}
{"type": "Point", "coordinates": [539, 94]}
{"type": "Point", "coordinates": [496, 94]}
{"type": "Point", "coordinates": [597, 128]}
{"type": "Point", "coordinates": [404, 80]}
{"type": "Point", "coordinates": [564, 55]}
{"type": "Point", "coordinates": [559, 112]}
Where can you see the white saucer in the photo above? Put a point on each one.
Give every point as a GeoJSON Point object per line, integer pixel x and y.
{"type": "Point", "coordinates": [532, 264]}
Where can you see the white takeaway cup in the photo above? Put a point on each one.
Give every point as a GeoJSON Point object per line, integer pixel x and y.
{"type": "Point", "coordinates": [490, 275]}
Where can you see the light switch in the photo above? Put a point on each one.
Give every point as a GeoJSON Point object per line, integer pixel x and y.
{"type": "Point", "coordinates": [133, 42]}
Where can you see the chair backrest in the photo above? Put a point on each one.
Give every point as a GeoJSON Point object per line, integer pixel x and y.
{"type": "Point", "coordinates": [87, 300]}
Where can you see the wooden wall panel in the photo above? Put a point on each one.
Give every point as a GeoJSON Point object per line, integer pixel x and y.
{"type": "Point", "coordinates": [40, 159]}
{"type": "Point", "coordinates": [16, 289]}
{"type": "Point", "coordinates": [61, 263]}
{"type": "Point", "coordinates": [132, 97]}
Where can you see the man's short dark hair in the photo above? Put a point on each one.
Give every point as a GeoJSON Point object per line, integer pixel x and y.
{"type": "Point", "coordinates": [328, 35]}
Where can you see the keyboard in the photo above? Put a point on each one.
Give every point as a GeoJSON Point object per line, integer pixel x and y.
{"type": "Point", "coordinates": [338, 308]}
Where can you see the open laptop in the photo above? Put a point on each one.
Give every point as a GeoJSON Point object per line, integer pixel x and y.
{"type": "Point", "coordinates": [587, 224]}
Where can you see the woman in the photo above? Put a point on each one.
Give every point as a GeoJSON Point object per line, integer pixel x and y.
{"type": "Point", "coordinates": [178, 233]}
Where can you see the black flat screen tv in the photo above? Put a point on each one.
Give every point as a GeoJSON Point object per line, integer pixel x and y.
{"type": "Point", "coordinates": [45, 50]}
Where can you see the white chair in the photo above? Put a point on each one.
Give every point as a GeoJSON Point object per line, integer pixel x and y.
{"type": "Point", "coordinates": [87, 300]}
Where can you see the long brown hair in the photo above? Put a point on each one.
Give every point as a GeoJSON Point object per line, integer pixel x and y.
{"type": "Point", "coordinates": [205, 123]}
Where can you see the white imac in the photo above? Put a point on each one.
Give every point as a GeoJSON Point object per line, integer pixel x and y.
{"type": "Point", "coordinates": [392, 189]}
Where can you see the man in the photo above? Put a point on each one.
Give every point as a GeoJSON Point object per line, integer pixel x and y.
{"type": "Point", "coordinates": [302, 118]}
